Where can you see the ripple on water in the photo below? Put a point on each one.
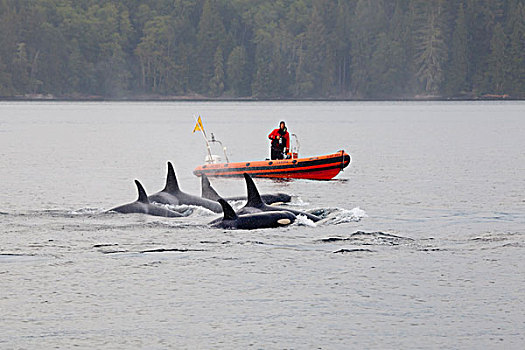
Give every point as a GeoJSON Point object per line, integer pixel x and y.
{"type": "Point", "coordinates": [19, 258]}
{"type": "Point", "coordinates": [497, 240]}
{"type": "Point", "coordinates": [370, 238]}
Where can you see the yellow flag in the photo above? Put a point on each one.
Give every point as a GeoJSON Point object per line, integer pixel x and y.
{"type": "Point", "coordinates": [199, 126]}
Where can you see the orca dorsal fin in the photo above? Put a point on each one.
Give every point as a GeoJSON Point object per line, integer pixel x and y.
{"type": "Point", "coordinates": [207, 191]}
{"type": "Point", "coordinates": [143, 197]}
{"type": "Point", "coordinates": [254, 198]}
{"type": "Point", "coordinates": [229, 213]}
{"type": "Point", "coordinates": [172, 185]}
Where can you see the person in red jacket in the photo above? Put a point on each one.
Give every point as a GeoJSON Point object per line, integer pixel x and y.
{"type": "Point", "coordinates": [280, 142]}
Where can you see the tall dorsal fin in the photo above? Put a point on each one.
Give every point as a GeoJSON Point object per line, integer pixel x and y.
{"type": "Point", "coordinates": [143, 197]}
{"type": "Point", "coordinates": [207, 191]}
{"type": "Point", "coordinates": [254, 198]}
{"type": "Point", "coordinates": [172, 186]}
{"type": "Point", "coordinates": [229, 213]}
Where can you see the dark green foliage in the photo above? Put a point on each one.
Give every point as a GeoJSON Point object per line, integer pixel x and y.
{"type": "Point", "coordinates": [390, 74]}
{"type": "Point", "coordinates": [264, 49]}
{"type": "Point", "coordinates": [515, 80]}
{"type": "Point", "coordinates": [368, 25]}
{"type": "Point", "coordinates": [237, 72]}
{"type": "Point", "coordinates": [217, 81]}
{"type": "Point", "coordinates": [430, 45]}
{"type": "Point", "coordinates": [210, 37]}
{"type": "Point", "coordinates": [457, 69]}
{"type": "Point", "coordinates": [497, 62]}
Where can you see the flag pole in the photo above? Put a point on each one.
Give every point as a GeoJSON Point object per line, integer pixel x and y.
{"type": "Point", "coordinates": [201, 128]}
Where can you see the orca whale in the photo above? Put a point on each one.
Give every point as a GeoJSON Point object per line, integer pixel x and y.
{"type": "Point", "coordinates": [171, 194]}
{"type": "Point", "coordinates": [253, 221]}
{"type": "Point", "coordinates": [143, 205]}
{"type": "Point", "coordinates": [256, 204]}
{"type": "Point", "coordinates": [208, 192]}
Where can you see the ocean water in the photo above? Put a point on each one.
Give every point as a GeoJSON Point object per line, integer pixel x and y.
{"type": "Point", "coordinates": [421, 245]}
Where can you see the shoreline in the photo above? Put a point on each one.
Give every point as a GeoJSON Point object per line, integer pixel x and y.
{"type": "Point", "coordinates": [250, 99]}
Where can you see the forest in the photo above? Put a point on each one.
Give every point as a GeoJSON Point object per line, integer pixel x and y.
{"type": "Point", "coordinates": [262, 49]}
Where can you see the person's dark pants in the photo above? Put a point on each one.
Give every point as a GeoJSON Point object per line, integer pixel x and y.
{"type": "Point", "coordinates": [276, 153]}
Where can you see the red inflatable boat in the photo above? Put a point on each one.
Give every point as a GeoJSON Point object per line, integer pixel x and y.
{"type": "Point", "coordinates": [315, 168]}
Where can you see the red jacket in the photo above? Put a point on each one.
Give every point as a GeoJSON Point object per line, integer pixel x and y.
{"type": "Point", "coordinates": [273, 135]}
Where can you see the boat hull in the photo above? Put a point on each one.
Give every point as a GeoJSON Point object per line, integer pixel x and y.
{"type": "Point", "coordinates": [316, 168]}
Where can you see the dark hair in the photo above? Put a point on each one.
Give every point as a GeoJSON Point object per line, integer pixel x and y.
{"type": "Point", "coordinates": [282, 122]}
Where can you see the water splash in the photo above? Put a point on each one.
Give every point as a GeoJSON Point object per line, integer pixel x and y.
{"type": "Point", "coordinates": [297, 201]}
{"type": "Point", "coordinates": [192, 210]}
{"type": "Point", "coordinates": [86, 211]}
{"type": "Point", "coordinates": [302, 220]}
{"type": "Point", "coordinates": [236, 205]}
{"type": "Point", "coordinates": [336, 216]}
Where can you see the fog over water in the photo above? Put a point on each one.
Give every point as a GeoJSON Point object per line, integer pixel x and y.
{"type": "Point", "coordinates": [421, 245]}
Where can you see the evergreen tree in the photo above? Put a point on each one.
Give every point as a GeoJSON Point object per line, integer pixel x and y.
{"type": "Point", "coordinates": [389, 74]}
{"type": "Point", "coordinates": [481, 18]}
{"type": "Point", "coordinates": [430, 46]}
{"type": "Point", "coordinates": [304, 81]}
{"type": "Point", "coordinates": [5, 81]}
{"type": "Point", "coordinates": [369, 22]}
{"type": "Point", "coordinates": [76, 67]}
{"type": "Point", "coordinates": [515, 82]}
{"type": "Point", "coordinates": [237, 73]}
{"type": "Point", "coordinates": [21, 67]}
{"type": "Point", "coordinates": [263, 84]}
{"type": "Point", "coordinates": [342, 46]}
{"type": "Point", "coordinates": [325, 59]}
{"type": "Point", "coordinates": [457, 70]}
{"type": "Point", "coordinates": [155, 53]}
{"type": "Point", "coordinates": [211, 35]}
{"type": "Point", "coordinates": [217, 81]}
{"type": "Point", "coordinates": [47, 73]}
{"type": "Point", "coordinates": [498, 64]}
{"type": "Point", "coordinates": [312, 60]}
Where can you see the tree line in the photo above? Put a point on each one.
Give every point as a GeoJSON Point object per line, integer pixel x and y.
{"type": "Point", "coordinates": [363, 49]}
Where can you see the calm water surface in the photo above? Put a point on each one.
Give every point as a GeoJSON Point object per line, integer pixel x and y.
{"type": "Point", "coordinates": [421, 247]}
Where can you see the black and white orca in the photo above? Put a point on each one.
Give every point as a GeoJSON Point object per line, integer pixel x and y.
{"type": "Point", "coordinates": [256, 204]}
{"type": "Point", "coordinates": [143, 206]}
{"type": "Point", "coordinates": [253, 221]}
{"type": "Point", "coordinates": [172, 194]}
